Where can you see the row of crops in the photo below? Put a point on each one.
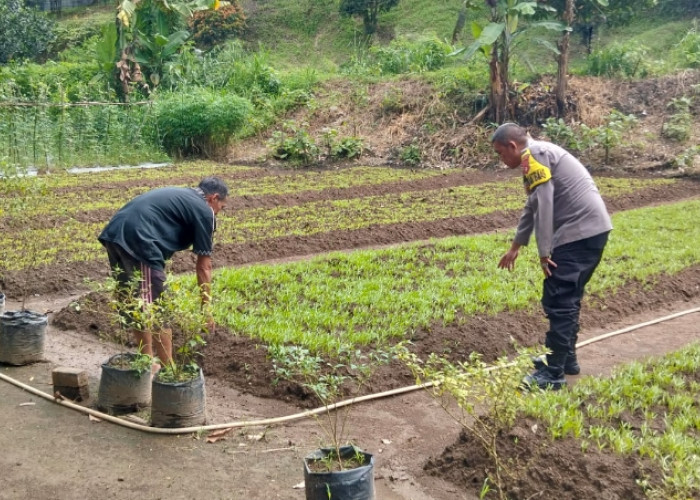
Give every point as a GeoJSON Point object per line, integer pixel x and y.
{"type": "Point", "coordinates": [368, 297]}
{"type": "Point", "coordinates": [65, 212]}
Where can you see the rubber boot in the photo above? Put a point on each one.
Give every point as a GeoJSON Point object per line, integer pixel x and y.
{"type": "Point", "coordinates": [549, 376]}
{"type": "Point", "coordinates": [571, 367]}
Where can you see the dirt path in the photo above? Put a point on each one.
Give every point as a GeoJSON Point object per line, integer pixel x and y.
{"type": "Point", "coordinates": [52, 452]}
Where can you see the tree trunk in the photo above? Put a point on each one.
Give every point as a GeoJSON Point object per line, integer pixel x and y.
{"type": "Point", "coordinates": [496, 98]}
{"type": "Point", "coordinates": [563, 62]}
{"type": "Point", "coordinates": [459, 25]}
{"type": "Point", "coordinates": [506, 114]}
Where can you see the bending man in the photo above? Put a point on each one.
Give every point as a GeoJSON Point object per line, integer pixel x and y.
{"type": "Point", "coordinates": [571, 225]}
{"type": "Point", "coordinates": [148, 230]}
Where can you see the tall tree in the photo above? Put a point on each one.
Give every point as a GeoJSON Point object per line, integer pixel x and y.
{"type": "Point", "coordinates": [150, 33]}
{"type": "Point", "coordinates": [368, 10]}
{"type": "Point", "coordinates": [497, 40]}
{"type": "Point", "coordinates": [563, 59]}
{"type": "Point", "coordinates": [591, 14]}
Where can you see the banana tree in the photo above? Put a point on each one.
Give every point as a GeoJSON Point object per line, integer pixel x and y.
{"type": "Point", "coordinates": [151, 32]}
{"type": "Point", "coordinates": [498, 39]}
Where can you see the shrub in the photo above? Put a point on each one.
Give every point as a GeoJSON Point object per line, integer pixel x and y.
{"type": "Point", "coordinates": [294, 144]}
{"type": "Point", "coordinates": [400, 56]}
{"type": "Point", "coordinates": [200, 121]}
{"type": "Point", "coordinates": [58, 81]}
{"type": "Point", "coordinates": [24, 33]}
{"type": "Point", "coordinates": [680, 124]}
{"type": "Point", "coordinates": [688, 49]}
{"type": "Point", "coordinates": [620, 60]}
{"type": "Point", "coordinates": [411, 155]}
{"type": "Point", "coordinates": [211, 27]}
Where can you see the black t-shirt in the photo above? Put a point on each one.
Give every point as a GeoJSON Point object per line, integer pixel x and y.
{"type": "Point", "coordinates": [155, 225]}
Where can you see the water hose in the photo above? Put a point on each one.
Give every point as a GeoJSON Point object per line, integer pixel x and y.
{"type": "Point", "coordinates": [296, 416]}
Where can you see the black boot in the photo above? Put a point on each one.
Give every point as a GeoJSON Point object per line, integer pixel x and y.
{"type": "Point", "coordinates": [549, 376]}
{"type": "Point", "coordinates": [571, 366]}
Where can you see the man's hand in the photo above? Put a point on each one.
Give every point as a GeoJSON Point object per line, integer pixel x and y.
{"type": "Point", "coordinates": [508, 260]}
{"type": "Point", "coordinates": [547, 264]}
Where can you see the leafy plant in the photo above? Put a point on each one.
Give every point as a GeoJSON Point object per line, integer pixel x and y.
{"type": "Point", "coordinates": [129, 311]}
{"type": "Point", "coordinates": [294, 144]}
{"type": "Point", "coordinates": [25, 191]}
{"type": "Point", "coordinates": [688, 157]}
{"type": "Point", "coordinates": [627, 60]}
{"type": "Point", "coordinates": [688, 49]}
{"type": "Point", "coordinates": [679, 125]}
{"type": "Point", "coordinates": [348, 147]}
{"type": "Point", "coordinates": [611, 134]}
{"type": "Point", "coordinates": [488, 398]}
{"type": "Point", "coordinates": [411, 154]}
{"type": "Point", "coordinates": [345, 147]}
{"type": "Point", "coordinates": [327, 381]}
{"type": "Point", "coordinates": [180, 306]}
{"type": "Point", "coordinates": [211, 27]}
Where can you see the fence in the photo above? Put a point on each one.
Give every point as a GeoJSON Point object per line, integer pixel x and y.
{"type": "Point", "coordinates": [58, 135]}
{"type": "Point", "coordinates": [58, 5]}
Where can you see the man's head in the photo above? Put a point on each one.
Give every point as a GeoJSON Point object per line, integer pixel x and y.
{"type": "Point", "coordinates": [215, 192]}
{"type": "Point", "coordinates": [508, 141]}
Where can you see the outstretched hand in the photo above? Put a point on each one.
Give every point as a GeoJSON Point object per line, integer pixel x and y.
{"type": "Point", "coordinates": [508, 260]}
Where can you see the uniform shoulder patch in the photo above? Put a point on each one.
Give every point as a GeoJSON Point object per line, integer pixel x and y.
{"type": "Point", "coordinates": [534, 173]}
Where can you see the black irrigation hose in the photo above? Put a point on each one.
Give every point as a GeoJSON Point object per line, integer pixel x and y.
{"type": "Point", "coordinates": [296, 416]}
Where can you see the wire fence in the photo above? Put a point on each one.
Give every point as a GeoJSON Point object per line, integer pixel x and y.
{"type": "Point", "coordinates": [49, 135]}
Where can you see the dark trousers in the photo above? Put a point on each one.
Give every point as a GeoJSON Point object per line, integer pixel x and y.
{"type": "Point", "coordinates": [563, 291]}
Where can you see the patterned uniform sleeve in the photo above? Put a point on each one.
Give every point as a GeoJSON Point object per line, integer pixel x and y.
{"type": "Point", "coordinates": [204, 234]}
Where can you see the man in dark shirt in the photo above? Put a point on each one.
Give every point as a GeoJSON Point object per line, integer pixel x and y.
{"type": "Point", "coordinates": [148, 230]}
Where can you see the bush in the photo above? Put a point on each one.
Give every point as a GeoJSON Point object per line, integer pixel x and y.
{"type": "Point", "coordinates": [400, 56]}
{"type": "Point", "coordinates": [294, 144]}
{"type": "Point", "coordinates": [211, 27]}
{"type": "Point", "coordinates": [688, 49]}
{"type": "Point", "coordinates": [200, 121]}
{"type": "Point", "coordinates": [621, 61]}
{"type": "Point", "coordinates": [57, 81]}
{"type": "Point", "coordinates": [680, 124]}
{"type": "Point", "coordinates": [24, 33]}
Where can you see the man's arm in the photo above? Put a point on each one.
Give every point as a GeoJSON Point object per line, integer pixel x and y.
{"type": "Point", "coordinates": [204, 277]}
{"type": "Point", "coordinates": [204, 281]}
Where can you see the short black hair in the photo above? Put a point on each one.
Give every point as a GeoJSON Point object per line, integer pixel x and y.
{"type": "Point", "coordinates": [509, 132]}
{"type": "Point", "coordinates": [214, 185]}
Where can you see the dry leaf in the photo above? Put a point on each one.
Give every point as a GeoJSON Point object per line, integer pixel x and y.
{"type": "Point", "coordinates": [299, 486]}
{"type": "Point", "coordinates": [386, 441]}
{"type": "Point", "coordinates": [219, 435]}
